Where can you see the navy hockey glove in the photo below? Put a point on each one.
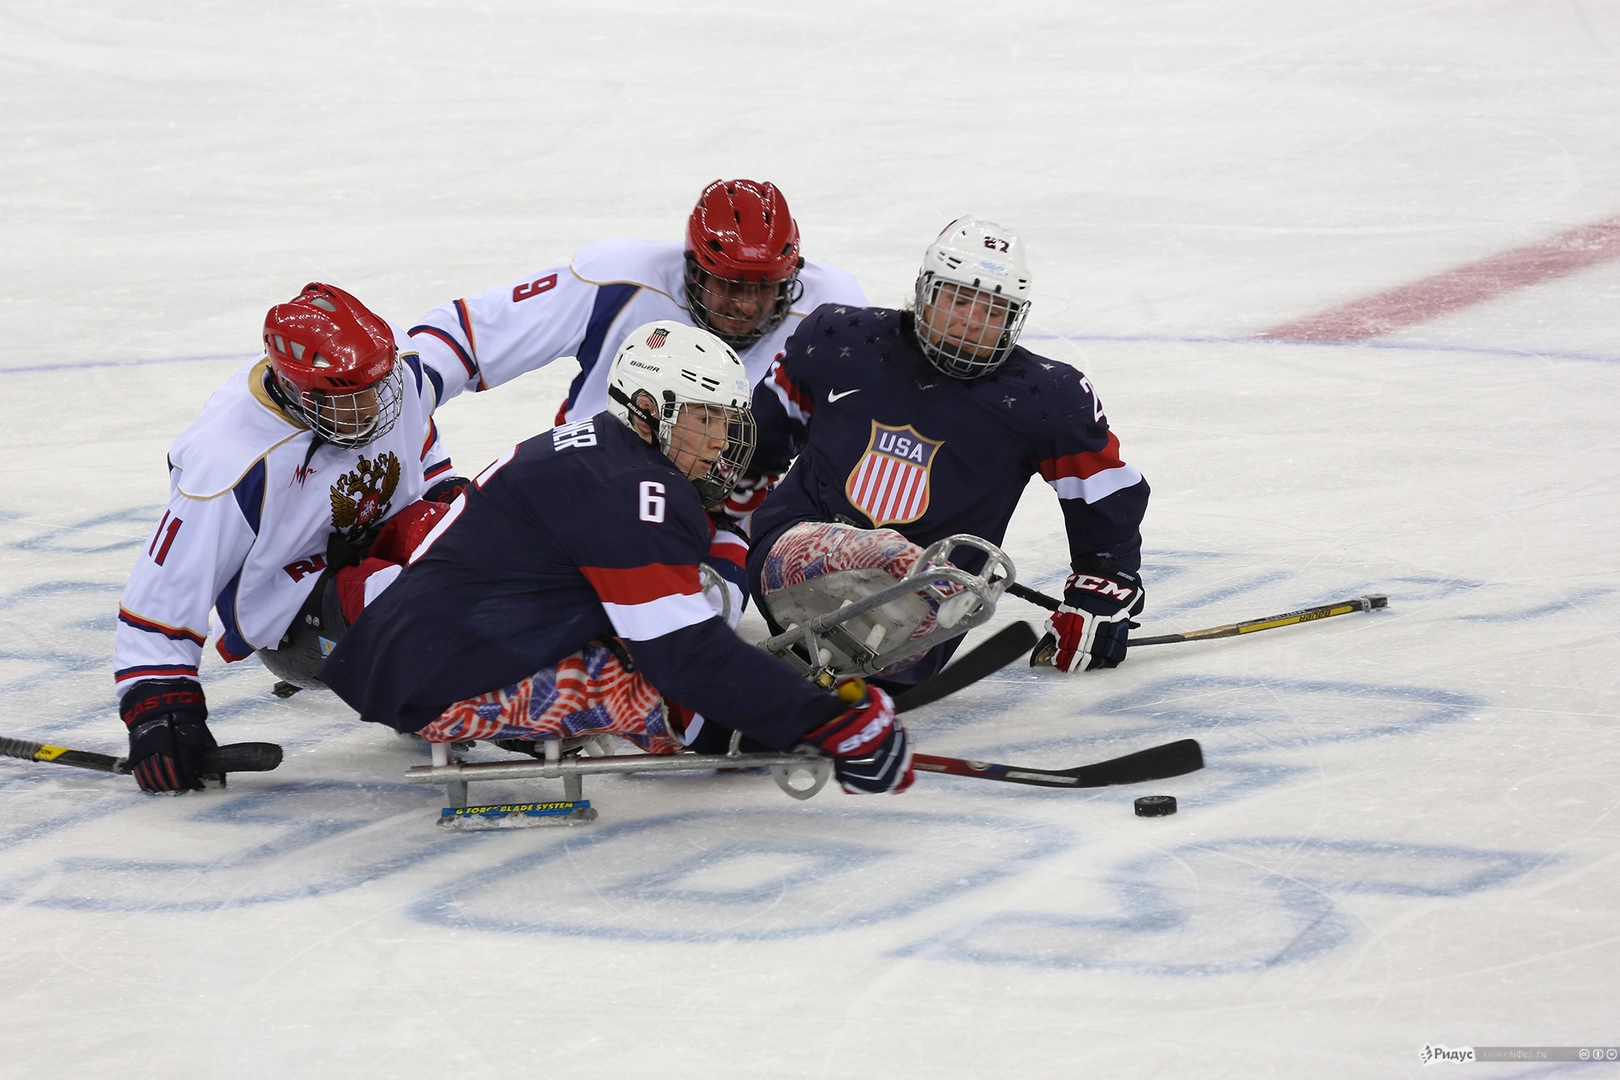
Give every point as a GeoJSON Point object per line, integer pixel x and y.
{"type": "Point", "coordinates": [870, 751]}
{"type": "Point", "coordinates": [168, 733]}
{"type": "Point", "coordinates": [1091, 627]}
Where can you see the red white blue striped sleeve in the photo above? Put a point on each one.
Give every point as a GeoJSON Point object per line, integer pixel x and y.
{"type": "Point", "coordinates": [646, 602]}
{"type": "Point", "coordinates": [796, 401]}
{"type": "Point", "coordinates": [1103, 498]}
{"type": "Point", "coordinates": [782, 409]}
{"type": "Point", "coordinates": [1092, 475]}
{"type": "Point", "coordinates": [728, 558]}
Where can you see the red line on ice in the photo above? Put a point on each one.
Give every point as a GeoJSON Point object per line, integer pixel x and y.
{"type": "Point", "coordinates": [1430, 297]}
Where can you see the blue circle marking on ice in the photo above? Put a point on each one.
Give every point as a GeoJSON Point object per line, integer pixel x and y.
{"type": "Point", "coordinates": [1227, 907]}
{"type": "Point", "coordinates": [723, 876]}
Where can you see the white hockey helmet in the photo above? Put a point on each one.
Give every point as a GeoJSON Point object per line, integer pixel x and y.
{"type": "Point", "coordinates": [667, 369]}
{"type": "Point", "coordinates": [972, 296]}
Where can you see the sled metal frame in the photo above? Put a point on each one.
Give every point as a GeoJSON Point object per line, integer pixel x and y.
{"type": "Point", "coordinates": [824, 649]}
{"type": "Point", "coordinates": [572, 768]}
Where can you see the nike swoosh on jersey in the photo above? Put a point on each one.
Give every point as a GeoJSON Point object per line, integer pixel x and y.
{"type": "Point", "coordinates": [834, 395]}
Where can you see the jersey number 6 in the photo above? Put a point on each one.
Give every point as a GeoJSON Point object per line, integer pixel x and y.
{"type": "Point", "coordinates": [652, 501]}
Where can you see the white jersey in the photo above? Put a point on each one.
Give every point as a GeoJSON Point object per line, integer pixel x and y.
{"type": "Point", "coordinates": [250, 510]}
{"type": "Point", "coordinates": [585, 310]}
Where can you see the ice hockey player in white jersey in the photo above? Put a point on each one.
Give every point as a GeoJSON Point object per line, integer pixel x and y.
{"type": "Point", "coordinates": [738, 275]}
{"type": "Point", "coordinates": [295, 464]}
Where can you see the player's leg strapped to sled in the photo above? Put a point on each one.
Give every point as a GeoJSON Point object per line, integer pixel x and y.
{"type": "Point", "coordinates": [869, 601]}
{"type": "Point", "coordinates": [592, 692]}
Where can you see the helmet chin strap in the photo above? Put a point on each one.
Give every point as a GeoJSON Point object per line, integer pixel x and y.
{"type": "Point", "coordinates": [653, 423]}
{"type": "Point", "coordinates": [278, 394]}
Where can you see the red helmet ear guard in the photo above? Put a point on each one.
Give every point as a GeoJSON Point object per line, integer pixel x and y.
{"type": "Point", "coordinates": [325, 341]}
{"type": "Point", "coordinates": [742, 230]}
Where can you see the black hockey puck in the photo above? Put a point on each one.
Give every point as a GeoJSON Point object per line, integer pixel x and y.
{"type": "Point", "coordinates": [1155, 806]}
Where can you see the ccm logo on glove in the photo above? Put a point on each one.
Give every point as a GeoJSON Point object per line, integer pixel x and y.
{"type": "Point", "coordinates": [1103, 586]}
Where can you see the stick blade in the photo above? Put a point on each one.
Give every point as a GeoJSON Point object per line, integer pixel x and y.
{"type": "Point", "coordinates": [1155, 763]}
{"type": "Point", "coordinates": [242, 757]}
{"type": "Point", "coordinates": [988, 657]}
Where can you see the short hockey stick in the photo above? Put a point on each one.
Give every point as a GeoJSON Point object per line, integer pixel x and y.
{"type": "Point", "coordinates": [1249, 626]}
{"type": "Point", "coordinates": [988, 657]}
{"type": "Point", "coordinates": [237, 757]}
{"type": "Point", "coordinates": [1155, 763]}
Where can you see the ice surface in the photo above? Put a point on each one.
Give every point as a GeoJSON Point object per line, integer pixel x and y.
{"type": "Point", "coordinates": [1406, 833]}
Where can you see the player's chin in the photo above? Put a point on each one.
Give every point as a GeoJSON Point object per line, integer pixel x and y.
{"type": "Point", "coordinates": [699, 471]}
{"type": "Point", "coordinates": [733, 327]}
{"type": "Point", "coordinates": [976, 352]}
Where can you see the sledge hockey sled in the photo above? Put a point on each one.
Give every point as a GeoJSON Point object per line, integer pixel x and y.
{"type": "Point", "coordinates": [859, 622]}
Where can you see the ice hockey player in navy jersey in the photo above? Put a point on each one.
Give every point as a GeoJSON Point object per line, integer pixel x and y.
{"type": "Point", "coordinates": [910, 426]}
{"type": "Point", "coordinates": [304, 463]}
{"type": "Point", "coordinates": [738, 275]}
{"type": "Point", "coordinates": [561, 595]}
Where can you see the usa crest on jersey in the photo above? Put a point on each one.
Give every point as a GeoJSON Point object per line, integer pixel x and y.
{"type": "Point", "coordinates": [890, 482]}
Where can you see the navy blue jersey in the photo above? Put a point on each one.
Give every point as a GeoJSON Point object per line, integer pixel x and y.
{"type": "Point", "coordinates": [578, 533]}
{"type": "Point", "coordinates": [895, 443]}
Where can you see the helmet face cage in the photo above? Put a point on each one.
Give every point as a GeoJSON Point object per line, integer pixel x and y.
{"type": "Point", "coordinates": [715, 301]}
{"type": "Point", "coordinates": [337, 368]}
{"type": "Point", "coordinates": [992, 323]}
{"type": "Point", "coordinates": [349, 420]}
{"type": "Point", "coordinates": [715, 483]}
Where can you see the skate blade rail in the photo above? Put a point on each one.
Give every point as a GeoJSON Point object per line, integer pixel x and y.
{"type": "Point", "coordinates": [824, 647]}
{"type": "Point", "coordinates": [800, 775]}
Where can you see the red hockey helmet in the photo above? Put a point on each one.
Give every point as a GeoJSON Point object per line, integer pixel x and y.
{"type": "Point", "coordinates": [335, 365]}
{"type": "Point", "coordinates": [742, 260]}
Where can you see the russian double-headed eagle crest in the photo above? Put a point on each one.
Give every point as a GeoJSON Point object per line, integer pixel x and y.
{"type": "Point", "coordinates": [361, 496]}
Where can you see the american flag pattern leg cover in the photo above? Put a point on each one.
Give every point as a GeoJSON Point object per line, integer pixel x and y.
{"type": "Point", "coordinates": [588, 693]}
{"type": "Point", "coordinates": [813, 549]}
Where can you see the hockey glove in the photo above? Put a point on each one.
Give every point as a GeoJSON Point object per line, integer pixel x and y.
{"type": "Point", "coordinates": [747, 496]}
{"type": "Point", "coordinates": [168, 734]}
{"type": "Point", "coordinates": [1090, 629]}
{"type": "Point", "coordinates": [868, 745]}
